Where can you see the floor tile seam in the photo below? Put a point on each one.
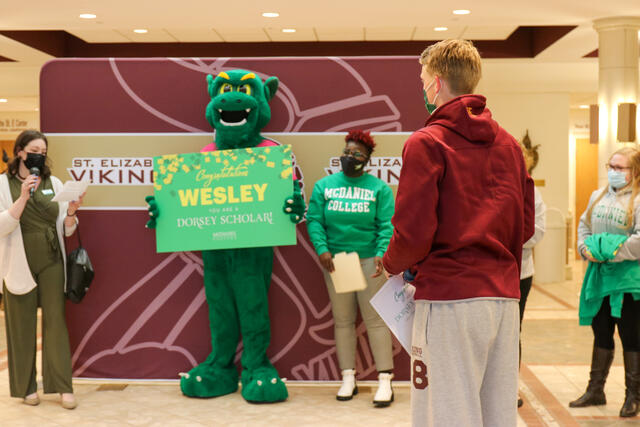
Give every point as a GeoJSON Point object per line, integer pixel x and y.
{"type": "Point", "coordinates": [291, 383]}
{"type": "Point", "coordinates": [603, 418]}
{"type": "Point", "coordinates": [546, 417]}
{"type": "Point", "coordinates": [572, 365]}
{"type": "Point", "coordinates": [554, 297]}
{"type": "Point", "coordinates": [546, 398]}
{"type": "Point", "coordinates": [529, 415]}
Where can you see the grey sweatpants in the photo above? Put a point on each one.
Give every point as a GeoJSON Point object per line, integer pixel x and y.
{"type": "Point", "coordinates": [465, 363]}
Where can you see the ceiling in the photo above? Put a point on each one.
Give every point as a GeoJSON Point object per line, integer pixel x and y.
{"type": "Point", "coordinates": [531, 39]}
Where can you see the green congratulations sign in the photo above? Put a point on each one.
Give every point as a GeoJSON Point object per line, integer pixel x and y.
{"type": "Point", "coordinates": [223, 199]}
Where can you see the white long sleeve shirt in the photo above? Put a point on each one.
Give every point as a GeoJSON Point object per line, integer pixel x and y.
{"type": "Point", "coordinates": [527, 250]}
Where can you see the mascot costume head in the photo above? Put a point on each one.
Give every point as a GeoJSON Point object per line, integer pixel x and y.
{"type": "Point", "coordinates": [237, 281]}
{"type": "Point", "coordinates": [239, 107]}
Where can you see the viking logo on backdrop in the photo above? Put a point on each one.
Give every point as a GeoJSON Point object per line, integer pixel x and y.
{"type": "Point", "coordinates": [385, 168]}
{"type": "Point", "coordinates": [113, 170]}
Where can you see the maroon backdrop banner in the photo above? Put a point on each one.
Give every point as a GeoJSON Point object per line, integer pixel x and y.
{"type": "Point", "coordinates": [145, 315]}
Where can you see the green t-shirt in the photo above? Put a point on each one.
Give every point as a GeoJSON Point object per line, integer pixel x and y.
{"type": "Point", "coordinates": [351, 215]}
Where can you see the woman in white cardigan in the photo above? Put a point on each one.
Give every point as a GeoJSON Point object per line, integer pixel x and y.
{"type": "Point", "coordinates": [32, 265]}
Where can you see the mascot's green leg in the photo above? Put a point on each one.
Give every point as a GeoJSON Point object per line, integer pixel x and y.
{"type": "Point", "coordinates": [260, 380]}
{"type": "Point", "coordinates": [217, 375]}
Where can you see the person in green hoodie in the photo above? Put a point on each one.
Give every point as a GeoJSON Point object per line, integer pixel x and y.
{"type": "Point", "coordinates": [609, 238]}
{"type": "Point", "coordinates": [350, 211]}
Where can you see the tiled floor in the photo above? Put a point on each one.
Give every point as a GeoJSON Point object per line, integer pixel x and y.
{"type": "Point", "coordinates": [556, 356]}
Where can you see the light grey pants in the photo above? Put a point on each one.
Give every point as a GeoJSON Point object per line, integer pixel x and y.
{"type": "Point", "coordinates": [464, 363]}
{"type": "Point", "coordinates": [345, 308]}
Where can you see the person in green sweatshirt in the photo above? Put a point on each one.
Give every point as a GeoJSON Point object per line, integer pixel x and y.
{"type": "Point", "coordinates": [350, 211]}
{"type": "Point", "coordinates": [609, 232]}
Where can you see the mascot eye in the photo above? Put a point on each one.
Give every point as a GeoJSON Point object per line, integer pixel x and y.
{"type": "Point", "coordinates": [245, 89]}
{"type": "Point", "coordinates": [226, 88]}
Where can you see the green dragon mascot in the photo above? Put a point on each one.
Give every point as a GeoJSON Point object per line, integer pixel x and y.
{"type": "Point", "coordinates": [237, 281]}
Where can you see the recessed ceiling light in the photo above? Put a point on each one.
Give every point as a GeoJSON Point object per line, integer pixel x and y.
{"type": "Point", "coordinates": [37, 109]}
{"type": "Point", "coordinates": [288, 30]}
{"type": "Point", "coordinates": [4, 100]}
{"type": "Point", "coordinates": [140, 31]}
{"type": "Point", "coordinates": [87, 16]}
{"type": "Point", "coordinates": [584, 107]}
{"type": "Point", "coordinates": [271, 14]}
{"type": "Point", "coordinates": [461, 12]}
{"type": "Point", "coordinates": [440, 29]}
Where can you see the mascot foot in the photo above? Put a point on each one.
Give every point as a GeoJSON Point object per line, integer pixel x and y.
{"type": "Point", "coordinates": [263, 385]}
{"type": "Point", "coordinates": [207, 381]}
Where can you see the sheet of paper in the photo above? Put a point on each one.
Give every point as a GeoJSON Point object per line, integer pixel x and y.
{"type": "Point", "coordinates": [71, 190]}
{"type": "Point", "coordinates": [395, 305]}
{"type": "Point", "coordinates": [348, 275]}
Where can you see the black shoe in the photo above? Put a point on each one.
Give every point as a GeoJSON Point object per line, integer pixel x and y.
{"type": "Point", "coordinates": [601, 360]}
{"type": "Point", "coordinates": [631, 404]}
{"type": "Point", "coordinates": [520, 402]}
{"type": "Point", "coordinates": [345, 398]}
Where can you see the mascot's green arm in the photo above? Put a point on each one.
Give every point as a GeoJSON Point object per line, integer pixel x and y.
{"type": "Point", "coordinates": [294, 206]}
{"type": "Point", "coordinates": [154, 212]}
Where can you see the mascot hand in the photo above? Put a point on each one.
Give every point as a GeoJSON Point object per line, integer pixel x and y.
{"type": "Point", "coordinates": [154, 213]}
{"type": "Point", "coordinates": [294, 206]}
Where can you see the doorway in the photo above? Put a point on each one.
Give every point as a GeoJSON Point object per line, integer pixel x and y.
{"type": "Point", "coordinates": [586, 177]}
{"type": "Point", "coordinates": [7, 146]}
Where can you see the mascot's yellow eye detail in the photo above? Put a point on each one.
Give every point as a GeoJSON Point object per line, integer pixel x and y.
{"type": "Point", "coordinates": [226, 88]}
{"type": "Point", "coordinates": [245, 89]}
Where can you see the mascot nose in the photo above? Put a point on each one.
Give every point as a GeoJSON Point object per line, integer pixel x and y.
{"type": "Point", "coordinates": [238, 101]}
{"type": "Point", "coordinates": [223, 101]}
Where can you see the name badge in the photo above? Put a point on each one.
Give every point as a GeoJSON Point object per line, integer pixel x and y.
{"type": "Point", "coordinates": [47, 191]}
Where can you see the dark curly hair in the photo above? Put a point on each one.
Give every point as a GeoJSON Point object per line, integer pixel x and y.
{"type": "Point", "coordinates": [21, 142]}
{"type": "Point", "coordinates": [361, 137]}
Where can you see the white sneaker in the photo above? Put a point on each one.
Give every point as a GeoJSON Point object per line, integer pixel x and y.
{"type": "Point", "coordinates": [348, 389]}
{"type": "Point", "coordinates": [384, 395]}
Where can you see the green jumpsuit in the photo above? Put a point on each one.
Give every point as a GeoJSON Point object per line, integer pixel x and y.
{"type": "Point", "coordinates": [44, 256]}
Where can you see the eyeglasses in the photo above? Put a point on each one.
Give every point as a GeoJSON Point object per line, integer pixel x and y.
{"type": "Point", "coordinates": [356, 154]}
{"type": "Point", "coordinates": [616, 168]}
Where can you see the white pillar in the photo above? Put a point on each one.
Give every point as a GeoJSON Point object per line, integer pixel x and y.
{"type": "Point", "coordinates": [618, 49]}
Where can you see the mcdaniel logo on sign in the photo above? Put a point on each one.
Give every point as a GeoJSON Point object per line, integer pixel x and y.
{"type": "Point", "coordinates": [385, 168]}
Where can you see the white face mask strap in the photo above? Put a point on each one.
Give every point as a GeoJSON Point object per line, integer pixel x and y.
{"type": "Point", "coordinates": [429, 87]}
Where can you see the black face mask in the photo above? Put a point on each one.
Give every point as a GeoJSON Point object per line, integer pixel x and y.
{"type": "Point", "coordinates": [351, 166]}
{"type": "Point", "coordinates": [35, 160]}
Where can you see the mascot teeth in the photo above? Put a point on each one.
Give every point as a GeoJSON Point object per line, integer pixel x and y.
{"type": "Point", "coordinates": [234, 118]}
{"type": "Point", "coordinates": [240, 123]}
{"type": "Point", "coordinates": [199, 378]}
{"type": "Point", "coordinates": [259, 383]}
{"type": "Point", "coordinates": [273, 380]}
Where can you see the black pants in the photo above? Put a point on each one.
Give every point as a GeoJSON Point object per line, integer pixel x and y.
{"type": "Point", "coordinates": [525, 287]}
{"type": "Point", "coordinates": [603, 325]}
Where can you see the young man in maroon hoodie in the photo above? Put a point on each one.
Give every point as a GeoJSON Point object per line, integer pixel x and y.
{"type": "Point", "coordinates": [464, 208]}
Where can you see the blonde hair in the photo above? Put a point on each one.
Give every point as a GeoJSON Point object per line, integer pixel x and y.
{"type": "Point", "coordinates": [456, 61]}
{"type": "Point", "coordinates": [633, 155]}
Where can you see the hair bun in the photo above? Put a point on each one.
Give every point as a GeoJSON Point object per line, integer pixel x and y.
{"type": "Point", "coordinates": [362, 137]}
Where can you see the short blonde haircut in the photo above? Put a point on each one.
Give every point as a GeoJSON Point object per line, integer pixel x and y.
{"type": "Point", "coordinates": [457, 62]}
